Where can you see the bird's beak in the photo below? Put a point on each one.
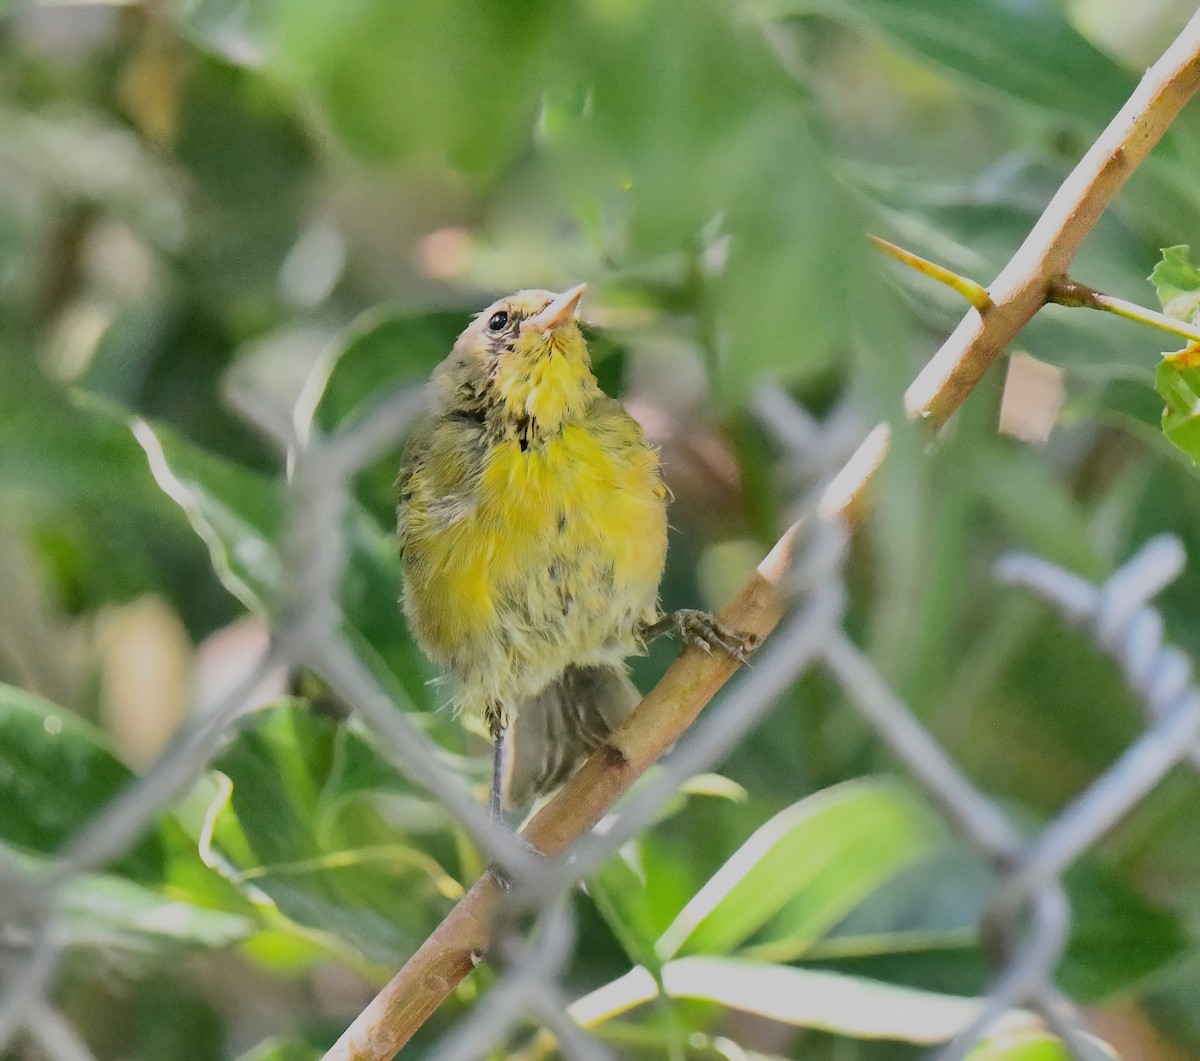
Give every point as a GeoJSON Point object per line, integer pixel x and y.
{"type": "Point", "coordinates": [560, 310]}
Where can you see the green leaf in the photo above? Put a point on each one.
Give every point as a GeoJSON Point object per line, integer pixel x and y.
{"type": "Point", "coordinates": [1028, 51]}
{"type": "Point", "coordinates": [620, 894]}
{"type": "Point", "coordinates": [374, 624]}
{"type": "Point", "coordinates": [803, 870]}
{"type": "Point", "coordinates": [287, 833]}
{"type": "Point", "coordinates": [418, 79]}
{"type": "Point", "coordinates": [1118, 938]}
{"type": "Point", "coordinates": [361, 780]}
{"type": "Point", "coordinates": [933, 904]}
{"type": "Point", "coordinates": [367, 806]}
{"type": "Point", "coordinates": [733, 214]}
{"type": "Point", "coordinates": [382, 351]}
{"type": "Point", "coordinates": [1036, 506]}
{"type": "Point", "coordinates": [245, 152]}
{"type": "Point", "coordinates": [156, 1015]}
{"type": "Point", "coordinates": [239, 515]}
{"type": "Point", "coordinates": [842, 1005]}
{"type": "Point", "coordinates": [792, 254]}
{"type": "Point", "coordinates": [1171, 1001]}
{"type": "Point", "coordinates": [1177, 282]}
{"type": "Point", "coordinates": [73, 477]}
{"type": "Point", "coordinates": [283, 1049]}
{"type": "Point", "coordinates": [1178, 382]}
{"type": "Point", "coordinates": [638, 888]}
{"type": "Point", "coordinates": [111, 913]}
{"type": "Point", "coordinates": [56, 772]}
{"type": "Point", "coordinates": [1029, 1044]}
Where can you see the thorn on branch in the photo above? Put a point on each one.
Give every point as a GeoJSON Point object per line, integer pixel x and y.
{"type": "Point", "coordinates": [973, 292]}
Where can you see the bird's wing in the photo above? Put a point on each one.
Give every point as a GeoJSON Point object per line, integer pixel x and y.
{"type": "Point", "coordinates": [438, 483]}
{"type": "Point", "coordinates": [415, 452]}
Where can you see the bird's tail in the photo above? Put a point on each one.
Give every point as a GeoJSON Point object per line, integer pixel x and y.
{"type": "Point", "coordinates": [562, 725]}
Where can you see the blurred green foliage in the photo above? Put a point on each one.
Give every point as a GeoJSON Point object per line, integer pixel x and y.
{"type": "Point", "coordinates": [307, 199]}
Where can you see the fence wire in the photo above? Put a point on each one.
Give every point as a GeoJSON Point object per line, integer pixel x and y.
{"type": "Point", "coordinates": [1027, 920]}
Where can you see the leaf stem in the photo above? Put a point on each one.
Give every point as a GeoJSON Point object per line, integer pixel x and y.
{"type": "Point", "coordinates": [1067, 292]}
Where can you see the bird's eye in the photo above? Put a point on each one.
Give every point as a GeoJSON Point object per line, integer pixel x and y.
{"type": "Point", "coordinates": [497, 321]}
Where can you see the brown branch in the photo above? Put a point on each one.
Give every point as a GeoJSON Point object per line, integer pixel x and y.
{"type": "Point", "coordinates": [1022, 288]}
{"type": "Point", "coordinates": [450, 953]}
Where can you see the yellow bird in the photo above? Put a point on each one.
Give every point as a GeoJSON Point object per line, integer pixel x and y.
{"type": "Point", "coordinates": [533, 526]}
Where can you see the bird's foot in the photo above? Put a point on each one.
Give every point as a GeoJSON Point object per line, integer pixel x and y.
{"type": "Point", "coordinates": [703, 631]}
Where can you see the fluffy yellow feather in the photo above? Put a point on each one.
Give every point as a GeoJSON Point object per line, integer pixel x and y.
{"type": "Point", "coordinates": [533, 527]}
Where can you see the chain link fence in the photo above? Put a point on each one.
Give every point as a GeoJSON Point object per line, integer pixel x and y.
{"type": "Point", "coordinates": [1027, 920]}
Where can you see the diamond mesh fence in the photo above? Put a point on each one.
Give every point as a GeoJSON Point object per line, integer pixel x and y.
{"type": "Point", "coordinates": [1028, 915]}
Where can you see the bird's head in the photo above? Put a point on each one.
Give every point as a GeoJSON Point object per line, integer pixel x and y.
{"type": "Point", "coordinates": [525, 356]}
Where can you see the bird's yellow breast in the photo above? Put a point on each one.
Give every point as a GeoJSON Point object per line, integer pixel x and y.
{"type": "Point", "coordinates": [581, 497]}
{"type": "Point", "coordinates": [554, 560]}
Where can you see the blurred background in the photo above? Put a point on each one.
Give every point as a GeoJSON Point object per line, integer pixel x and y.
{"type": "Point", "coordinates": [307, 199]}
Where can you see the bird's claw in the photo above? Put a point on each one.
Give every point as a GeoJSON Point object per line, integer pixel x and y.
{"type": "Point", "coordinates": [704, 632]}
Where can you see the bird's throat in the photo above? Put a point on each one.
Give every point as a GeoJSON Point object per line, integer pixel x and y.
{"type": "Point", "coordinates": [548, 388]}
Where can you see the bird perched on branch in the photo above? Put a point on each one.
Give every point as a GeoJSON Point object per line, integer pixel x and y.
{"type": "Point", "coordinates": [533, 527]}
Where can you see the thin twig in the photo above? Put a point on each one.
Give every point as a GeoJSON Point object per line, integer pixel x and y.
{"type": "Point", "coordinates": [1067, 292]}
{"type": "Point", "coordinates": [1022, 287]}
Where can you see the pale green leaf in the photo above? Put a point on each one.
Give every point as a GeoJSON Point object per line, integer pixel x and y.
{"type": "Point", "coordinates": [804, 998]}
{"type": "Point", "coordinates": [804, 870]}
{"type": "Point", "coordinates": [116, 914]}
{"type": "Point", "coordinates": [1028, 1044]}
